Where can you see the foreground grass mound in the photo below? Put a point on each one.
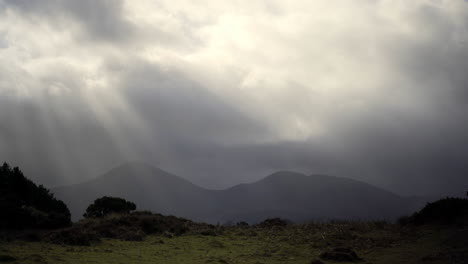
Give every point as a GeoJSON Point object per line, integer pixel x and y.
{"type": "Point", "coordinates": [313, 243]}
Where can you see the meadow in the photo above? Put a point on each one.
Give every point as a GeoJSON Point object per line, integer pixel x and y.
{"type": "Point", "coordinates": [329, 242]}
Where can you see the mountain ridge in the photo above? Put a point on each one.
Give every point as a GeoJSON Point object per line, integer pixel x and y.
{"type": "Point", "coordinates": [292, 195]}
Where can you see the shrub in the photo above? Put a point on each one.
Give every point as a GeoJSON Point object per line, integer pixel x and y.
{"type": "Point", "coordinates": [242, 224]}
{"type": "Point", "coordinates": [129, 227]}
{"type": "Point", "coordinates": [444, 211]}
{"type": "Point", "coordinates": [340, 255]}
{"type": "Point", "coordinates": [404, 220]}
{"type": "Point", "coordinates": [273, 222]}
{"type": "Point", "coordinates": [7, 258]}
{"type": "Point", "coordinates": [108, 205]}
{"type": "Point", "coordinates": [76, 236]}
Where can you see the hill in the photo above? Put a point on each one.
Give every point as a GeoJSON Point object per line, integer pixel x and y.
{"type": "Point", "coordinates": [299, 197]}
{"type": "Point", "coordinates": [150, 188]}
{"type": "Point", "coordinates": [284, 194]}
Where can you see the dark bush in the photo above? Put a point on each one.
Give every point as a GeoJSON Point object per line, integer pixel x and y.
{"type": "Point", "coordinates": [25, 205]}
{"type": "Point", "coordinates": [109, 205]}
{"type": "Point", "coordinates": [444, 211]}
{"type": "Point", "coordinates": [76, 236]}
{"type": "Point", "coordinates": [404, 220]}
{"type": "Point", "coordinates": [145, 212]}
{"type": "Point", "coordinates": [340, 255]}
{"type": "Point", "coordinates": [7, 258]}
{"type": "Point", "coordinates": [242, 224]}
{"type": "Point", "coordinates": [208, 232]}
{"type": "Point", "coordinates": [273, 222]}
{"type": "Point", "coordinates": [151, 225]}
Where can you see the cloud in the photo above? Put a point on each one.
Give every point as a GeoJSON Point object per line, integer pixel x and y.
{"type": "Point", "coordinates": [100, 20]}
{"type": "Point", "coordinates": [224, 93]}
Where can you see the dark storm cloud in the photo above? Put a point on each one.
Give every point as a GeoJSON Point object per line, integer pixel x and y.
{"type": "Point", "coordinates": [409, 154]}
{"type": "Point", "coordinates": [408, 132]}
{"type": "Point", "coordinates": [426, 149]}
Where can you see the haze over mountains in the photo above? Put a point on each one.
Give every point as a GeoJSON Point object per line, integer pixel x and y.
{"type": "Point", "coordinates": [290, 195]}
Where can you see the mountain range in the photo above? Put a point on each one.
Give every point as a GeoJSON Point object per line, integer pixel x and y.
{"type": "Point", "coordinates": [284, 194]}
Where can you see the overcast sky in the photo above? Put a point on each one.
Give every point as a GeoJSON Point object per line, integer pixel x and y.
{"type": "Point", "coordinates": [225, 92]}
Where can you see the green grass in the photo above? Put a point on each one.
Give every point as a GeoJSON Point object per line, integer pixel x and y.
{"type": "Point", "coordinates": [374, 242]}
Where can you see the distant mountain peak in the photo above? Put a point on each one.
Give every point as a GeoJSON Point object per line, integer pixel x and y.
{"type": "Point", "coordinates": [283, 175]}
{"type": "Point", "coordinates": [288, 194]}
{"type": "Point", "coordinates": [286, 173]}
{"type": "Point", "coordinates": [136, 168]}
{"type": "Point", "coordinates": [134, 165]}
{"type": "Point", "coordinates": [144, 173]}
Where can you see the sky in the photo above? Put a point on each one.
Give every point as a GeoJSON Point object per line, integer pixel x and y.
{"type": "Point", "coordinates": [227, 92]}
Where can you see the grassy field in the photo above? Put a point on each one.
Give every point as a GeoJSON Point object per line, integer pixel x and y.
{"type": "Point", "coordinates": [373, 242]}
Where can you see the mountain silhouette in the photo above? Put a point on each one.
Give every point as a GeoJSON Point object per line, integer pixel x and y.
{"type": "Point", "coordinates": [302, 197]}
{"type": "Point", "coordinates": [150, 188]}
{"type": "Point", "coordinates": [290, 195]}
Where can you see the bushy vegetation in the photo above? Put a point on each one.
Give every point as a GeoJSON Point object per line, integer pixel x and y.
{"type": "Point", "coordinates": [273, 222]}
{"type": "Point", "coordinates": [340, 254]}
{"type": "Point", "coordinates": [74, 235]}
{"type": "Point", "coordinates": [127, 227]}
{"type": "Point", "coordinates": [25, 205]}
{"type": "Point", "coordinates": [109, 205]}
{"type": "Point", "coordinates": [446, 211]}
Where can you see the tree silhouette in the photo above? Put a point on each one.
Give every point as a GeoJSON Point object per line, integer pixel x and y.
{"type": "Point", "coordinates": [444, 211]}
{"type": "Point", "coordinates": [23, 204]}
{"type": "Point", "coordinates": [108, 205]}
